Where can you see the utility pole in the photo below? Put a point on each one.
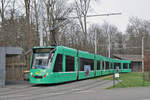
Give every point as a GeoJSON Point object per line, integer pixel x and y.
{"type": "Point", "coordinates": [109, 45]}
{"type": "Point", "coordinates": [143, 59]}
{"type": "Point", "coordinates": [142, 53]}
{"type": "Point", "coordinates": [95, 42]}
{"type": "Point", "coordinates": [41, 37]}
{"type": "Point", "coordinates": [41, 26]}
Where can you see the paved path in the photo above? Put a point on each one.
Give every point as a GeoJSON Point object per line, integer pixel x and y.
{"type": "Point", "coordinates": [80, 90]}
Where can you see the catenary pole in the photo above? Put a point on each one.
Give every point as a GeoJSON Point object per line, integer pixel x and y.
{"type": "Point", "coordinates": [143, 54]}
{"type": "Point", "coordinates": [143, 59]}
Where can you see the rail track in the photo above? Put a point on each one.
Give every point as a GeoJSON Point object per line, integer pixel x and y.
{"type": "Point", "coordinates": [34, 92]}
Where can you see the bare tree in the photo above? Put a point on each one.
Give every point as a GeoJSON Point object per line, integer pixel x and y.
{"type": "Point", "coordinates": [28, 36]}
{"type": "Point", "coordinates": [110, 32]}
{"type": "Point", "coordinates": [82, 7]}
{"type": "Point", "coordinates": [4, 4]}
{"type": "Point", "coordinates": [136, 29]}
{"type": "Point", "coordinates": [55, 9]}
{"type": "Point", "coordinates": [35, 17]}
{"type": "Point", "coordinates": [108, 35]}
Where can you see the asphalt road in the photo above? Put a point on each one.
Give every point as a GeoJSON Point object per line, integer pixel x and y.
{"type": "Point", "coordinates": [80, 90]}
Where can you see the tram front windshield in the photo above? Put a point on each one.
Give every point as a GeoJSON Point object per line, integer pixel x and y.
{"type": "Point", "coordinates": [41, 60]}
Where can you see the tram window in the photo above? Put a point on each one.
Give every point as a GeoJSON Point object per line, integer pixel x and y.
{"type": "Point", "coordinates": [104, 65]}
{"type": "Point", "coordinates": [84, 62]}
{"type": "Point", "coordinates": [117, 66]}
{"type": "Point", "coordinates": [98, 65]}
{"type": "Point", "coordinates": [125, 66]}
{"type": "Point", "coordinates": [107, 65]}
{"type": "Point", "coordinates": [69, 64]}
{"type": "Point", "coordinates": [111, 66]}
{"type": "Point", "coordinates": [58, 63]}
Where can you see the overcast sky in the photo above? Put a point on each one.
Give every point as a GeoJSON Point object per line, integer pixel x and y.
{"type": "Point", "coordinates": [128, 8]}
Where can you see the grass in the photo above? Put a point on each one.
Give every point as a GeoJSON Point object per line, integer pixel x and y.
{"type": "Point", "coordinates": [134, 79]}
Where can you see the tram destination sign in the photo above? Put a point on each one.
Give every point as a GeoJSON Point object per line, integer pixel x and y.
{"type": "Point", "coordinates": [41, 50]}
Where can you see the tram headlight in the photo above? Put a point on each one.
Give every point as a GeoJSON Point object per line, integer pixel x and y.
{"type": "Point", "coordinates": [32, 74]}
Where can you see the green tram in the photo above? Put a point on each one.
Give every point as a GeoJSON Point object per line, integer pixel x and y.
{"type": "Point", "coordinates": [57, 64]}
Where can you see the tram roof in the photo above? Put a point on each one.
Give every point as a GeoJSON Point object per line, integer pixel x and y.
{"type": "Point", "coordinates": [82, 54]}
{"type": "Point", "coordinates": [120, 61]}
{"type": "Point", "coordinates": [42, 47]}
